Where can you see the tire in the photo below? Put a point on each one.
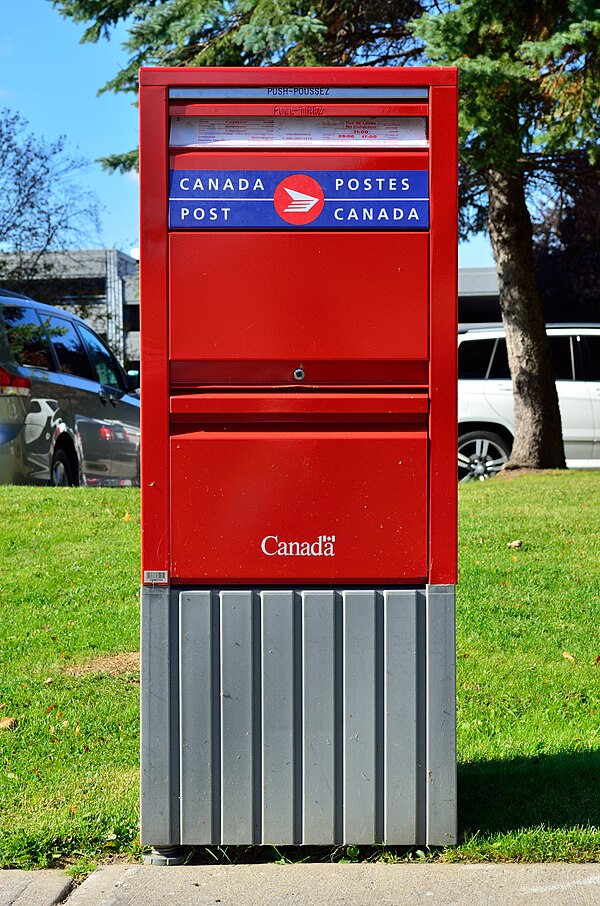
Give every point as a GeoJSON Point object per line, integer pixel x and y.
{"type": "Point", "coordinates": [62, 471]}
{"type": "Point", "coordinates": [481, 455]}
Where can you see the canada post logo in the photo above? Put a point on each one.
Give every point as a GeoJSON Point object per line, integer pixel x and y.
{"type": "Point", "coordinates": [299, 199]}
{"type": "Point", "coordinates": [322, 199]}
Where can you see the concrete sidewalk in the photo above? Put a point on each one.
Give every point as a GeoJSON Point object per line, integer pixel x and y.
{"type": "Point", "coordinates": [308, 885]}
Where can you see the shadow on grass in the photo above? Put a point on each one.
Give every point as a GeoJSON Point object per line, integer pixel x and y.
{"type": "Point", "coordinates": [554, 790]}
{"type": "Point", "coordinates": [494, 797]}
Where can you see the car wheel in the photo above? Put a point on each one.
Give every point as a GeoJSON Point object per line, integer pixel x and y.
{"type": "Point", "coordinates": [62, 473]}
{"type": "Point", "coordinates": [481, 455]}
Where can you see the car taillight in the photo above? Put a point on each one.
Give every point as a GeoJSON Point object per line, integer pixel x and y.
{"type": "Point", "coordinates": [13, 385]}
{"type": "Point", "coordinates": [105, 433]}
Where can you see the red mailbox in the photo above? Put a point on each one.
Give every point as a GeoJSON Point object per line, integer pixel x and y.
{"type": "Point", "coordinates": [298, 305]}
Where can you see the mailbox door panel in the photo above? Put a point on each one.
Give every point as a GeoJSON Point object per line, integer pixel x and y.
{"type": "Point", "coordinates": [301, 505]}
{"type": "Point", "coordinates": [250, 297]}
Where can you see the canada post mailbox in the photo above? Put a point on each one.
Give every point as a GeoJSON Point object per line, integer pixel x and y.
{"type": "Point", "coordinates": [298, 303]}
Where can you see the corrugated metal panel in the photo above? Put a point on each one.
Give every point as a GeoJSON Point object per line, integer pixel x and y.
{"type": "Point", "coordinates": [159, 719]}
{"type": "Point", "coordinates": [403, 756]}
{"type": "Point", "coordinates": [440, 702]}
{"type": "Point", "coordinates": [303, 716]}
{"type": "Point", "coordinates": [359, 704]}
{"type": "Point", "coordinates": [318, 713]}
{"type": "Point", "coordinates": [196, 740]}
{"type": "Point", "coordinates": [277, 716]}
{"type": "Point", "coordinates": [239, 724]}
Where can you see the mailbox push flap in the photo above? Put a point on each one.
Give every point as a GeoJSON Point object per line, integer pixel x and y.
{"type": "Point", "coordinates": [261, 474]}
{"type": "Point", "coordinates": [301, 505]}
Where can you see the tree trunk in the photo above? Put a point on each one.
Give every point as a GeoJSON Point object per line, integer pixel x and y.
{"type": "Point", "coordinates": [538, 435]}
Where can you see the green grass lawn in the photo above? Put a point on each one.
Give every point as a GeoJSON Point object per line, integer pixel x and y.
{"type": "Point", "coordinates": [528, 672]}
{"type": "Point", "coordinates": [528, 646]}
{"type": "Point", "coordinates": [69, 586]}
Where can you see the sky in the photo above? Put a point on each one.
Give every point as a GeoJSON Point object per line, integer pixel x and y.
{"type": "Point", "coordinates": [52, 80]}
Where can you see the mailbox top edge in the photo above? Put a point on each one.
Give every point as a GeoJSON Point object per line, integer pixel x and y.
{"type": "Point", "coordinates": [242, 76]}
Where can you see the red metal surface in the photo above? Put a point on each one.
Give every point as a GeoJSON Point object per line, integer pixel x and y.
{"type": "Point", "coordinates": [225, 468]}
{"type": "Point", "coordinates": [232, 490]}
{"type": "Point", "coordinates": [154, 330]}
{"type": "Point", "coordinates": [285, 108]}
{"type": "Point", "coordinates": [392, 375]}
{"type": "Point", "coordinates": [413, 76]}
{"type": "Point", "coordinates": [297, 407]}
{"type": "Point", "coordinates": [185, 159]}
{"type": "Point", "coordinates": [256, 297]}
{"type": "Point", "coordinates": [443, 500]}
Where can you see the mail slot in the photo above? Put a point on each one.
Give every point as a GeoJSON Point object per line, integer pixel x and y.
{"type": "Point", "coordinates": [298, 308]}
{"type": "Point", "coordinates": [297, 490]}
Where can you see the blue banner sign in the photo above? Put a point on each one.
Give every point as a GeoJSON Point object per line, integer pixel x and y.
{"type": "Point", "coordinates": [319, 199]}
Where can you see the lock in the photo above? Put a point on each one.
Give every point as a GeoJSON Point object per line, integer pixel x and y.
{"type": "Point", "coordinates": [299, 374]}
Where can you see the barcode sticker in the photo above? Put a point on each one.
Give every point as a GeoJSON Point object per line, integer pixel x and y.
{"type": "Point", "coordinates": [156, 577]}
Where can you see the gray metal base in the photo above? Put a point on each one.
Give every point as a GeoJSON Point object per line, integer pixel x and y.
{"type": "Point", "coordinates": [298, 716]}
{"type": "Point", "coordinates": [165, 856]}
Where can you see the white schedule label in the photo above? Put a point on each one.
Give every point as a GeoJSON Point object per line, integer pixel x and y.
{"type": "Point", "coordinates": [286, 131]}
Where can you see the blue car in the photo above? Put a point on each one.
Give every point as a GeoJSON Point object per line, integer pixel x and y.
{"type": "Point", "coordinates": [69, 415]}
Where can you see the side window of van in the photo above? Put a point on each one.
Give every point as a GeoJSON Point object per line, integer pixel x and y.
{"type": "Point", "coordinates": [26, 337]}
{"type": "Point", "coordinates": [105, 364]}
{"type": "Point", "coordinates": [591, 348]}
{"type": "Point", "coordinates": [474, 358]}
{"type": "Point", "coordinates": [499, 370]}
{"type": "Point", "coordinates": [560, 349]}
{"type": "Point", "coordinates": [70, 351]}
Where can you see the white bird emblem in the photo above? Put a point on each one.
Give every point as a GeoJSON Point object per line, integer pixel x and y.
{"type": "Point", "coordinates": [300, 203]}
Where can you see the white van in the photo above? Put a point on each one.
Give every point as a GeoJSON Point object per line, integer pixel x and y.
{"type": "Point", "coordinates": [485, 397]}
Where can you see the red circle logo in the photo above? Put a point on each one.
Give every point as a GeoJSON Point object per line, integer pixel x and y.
{"type": "Point", "coordinates": [299, 199]}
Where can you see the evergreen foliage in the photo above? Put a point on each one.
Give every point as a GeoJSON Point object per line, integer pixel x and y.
{"type": "Point", "coordinates": [529, 88]}
{"type": "Point", "coordinates": [566, 248]}
{"type": "Point", "coordinates": [249, 32]}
